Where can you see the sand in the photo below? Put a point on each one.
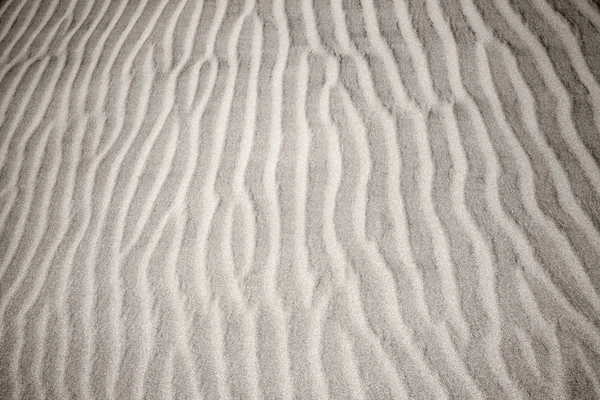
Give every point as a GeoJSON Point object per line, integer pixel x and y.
{"type": "Point", "coordinates": [316, 199]}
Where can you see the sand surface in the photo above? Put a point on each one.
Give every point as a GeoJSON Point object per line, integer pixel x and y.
{"type": "Point", "coordinates": [318, 199]}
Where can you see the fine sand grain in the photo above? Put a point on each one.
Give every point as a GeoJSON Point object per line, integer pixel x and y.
{"type": "Point", "coordinates": [300, 199]}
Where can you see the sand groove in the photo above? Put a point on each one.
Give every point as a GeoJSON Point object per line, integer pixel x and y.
{"type": "Point", "coordinates": [300, 199]}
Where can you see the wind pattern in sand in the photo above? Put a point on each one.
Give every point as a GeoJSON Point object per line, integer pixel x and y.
{"type": "Point", "coordinates": [370, 199]}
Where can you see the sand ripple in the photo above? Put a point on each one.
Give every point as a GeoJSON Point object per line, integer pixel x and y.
{"type": "Point", "coordinates": [372, 199]}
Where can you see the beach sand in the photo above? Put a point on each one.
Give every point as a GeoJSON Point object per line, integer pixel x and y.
{"type": "Point", "coordinates": [316, 199]}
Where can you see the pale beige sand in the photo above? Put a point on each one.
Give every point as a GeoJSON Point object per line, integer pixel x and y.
{"type": "Point", "coordinates": [371, 199]}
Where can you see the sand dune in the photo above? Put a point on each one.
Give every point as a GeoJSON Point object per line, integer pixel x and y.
{"type": "Point", "coordinates": [371, 199]}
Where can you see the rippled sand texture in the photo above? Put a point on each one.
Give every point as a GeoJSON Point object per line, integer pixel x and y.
{"type": "Point", "coordinates": [369, 199]}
